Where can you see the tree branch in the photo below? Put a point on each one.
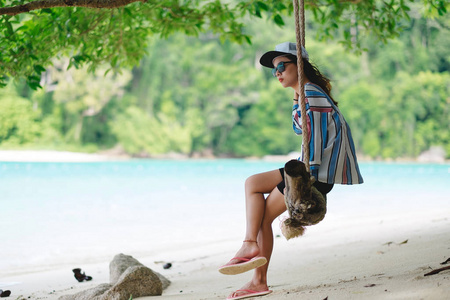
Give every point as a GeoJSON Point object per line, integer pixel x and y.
{"type": "Point", "coordinates": [40, 4]}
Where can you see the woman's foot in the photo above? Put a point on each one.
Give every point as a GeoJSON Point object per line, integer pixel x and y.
{"type": "Point", "coordinates": [249, 249]}
{"type": "Point", "coordinates": [250, 290]}
{"type": "Point", "coordinates": [245, 260]}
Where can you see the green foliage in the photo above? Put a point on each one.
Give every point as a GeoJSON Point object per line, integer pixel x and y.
{"type": "Point", "coordinates": [94, 37]}
{"type": "Point", "coordinates": [402, 119]}
{"type": "Point", "coordinates": [361, 104]}
{"type": "Point", "coordinates": [83, 98]}
{"type": "Point", "coordinates": [260, 131]}
{"type": "Point", "coordinates": [199, 94]}
{"type": "Point", "coordinates": [19, 121]}
{"type": "Point", "coordinates": [18, 125]}
{"type": "Point", "coordinates": [428, 118]}
{"type": "Point", "coordinates": [118, 37]}
{"type": "Point", "coordinates": [140, 134]}
{"type": "Point", "coordinates": [211, 91]}
{"type": "Point", "coordinates": [86, 36]}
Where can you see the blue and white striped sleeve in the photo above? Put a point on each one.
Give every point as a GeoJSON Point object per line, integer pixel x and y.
{"type": "Point", "coordinates": [317, 142]}
{"type": "Point", "coordinates": [296, 120]}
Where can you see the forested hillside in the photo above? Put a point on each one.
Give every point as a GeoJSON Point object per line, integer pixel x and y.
{"type": "Point", "coordinates": [195, 95]}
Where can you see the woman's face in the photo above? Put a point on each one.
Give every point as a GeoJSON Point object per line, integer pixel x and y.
{"type": "Point", "coordinates": [289, 77]}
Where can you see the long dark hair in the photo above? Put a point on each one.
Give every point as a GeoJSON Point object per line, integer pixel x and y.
{"type": "Point", "coordinates": [314, 75]}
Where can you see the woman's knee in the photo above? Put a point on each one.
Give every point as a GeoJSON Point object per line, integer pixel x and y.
{"type": "Point", "coordinates": [262, 182]}
{"type": "Point", "coordinates": [251, 183]}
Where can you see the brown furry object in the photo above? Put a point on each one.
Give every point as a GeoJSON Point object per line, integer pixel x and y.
{"type": "Point", "coordinates": [305, 204]}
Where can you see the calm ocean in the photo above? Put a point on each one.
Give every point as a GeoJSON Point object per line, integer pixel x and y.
{"type": "Point", "coordinates": [56, 213]}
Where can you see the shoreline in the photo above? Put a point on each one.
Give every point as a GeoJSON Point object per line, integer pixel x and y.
{"type": "Point", "coordinates": [53, 156]}
{"type": "Point", "coordinates": [68, 156]}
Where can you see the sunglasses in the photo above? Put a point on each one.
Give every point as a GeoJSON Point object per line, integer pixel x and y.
{"type": "Point", "coordinates": [280, 67]}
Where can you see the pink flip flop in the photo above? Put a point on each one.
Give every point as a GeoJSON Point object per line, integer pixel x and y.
{"type": "Point", "coordinates": [247, 294]}
{"type": "Point", "coordinates": [244, 265]}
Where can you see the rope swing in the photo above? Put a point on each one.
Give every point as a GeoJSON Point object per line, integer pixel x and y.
{"type": "Point", "coordinates": [305, 204]}
{"type": "Point", "coordinates": [300, 36]}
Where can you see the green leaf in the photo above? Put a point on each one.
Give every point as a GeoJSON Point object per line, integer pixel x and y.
{"type": "Point", "coordinates": [22, 28]}
{"type": "Point", "coordinates": [9, 27]}
{"type": "Point", "coordinates": [262, 5]}
{"type": "Point", "coordinates": [39, 69]}
{"type": "Point", "coordinates": [280, 6]}
{"type": "Point", "coordinates": [33, 82]}
{"type": "Point", "coordinates": [257, 11]}
{"type": "Point", "coordinates": [278, 20]}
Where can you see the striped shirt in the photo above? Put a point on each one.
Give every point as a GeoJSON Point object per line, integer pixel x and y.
{"type": "Point", "coordinates": [331, 147]}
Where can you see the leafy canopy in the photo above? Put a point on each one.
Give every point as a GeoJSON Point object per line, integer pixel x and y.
{"type": "Point", "coordinates": [115, 32]}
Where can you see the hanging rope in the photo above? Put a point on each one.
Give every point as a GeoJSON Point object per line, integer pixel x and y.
{"type": "Point", "coordinates": [305, 204]}
{"type": "Point", "coordinates": [300, 35]}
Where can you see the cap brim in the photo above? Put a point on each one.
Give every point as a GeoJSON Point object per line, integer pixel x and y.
{"type": "Point", "coordinates": [267, 58]}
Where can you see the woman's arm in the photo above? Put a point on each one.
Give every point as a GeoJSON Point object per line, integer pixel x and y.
{"type": "Point", "coordinates": [319, 116]}
{"type": "Point", "coordinates": [296, 115]}
{"type": "Point", "coordinates": [296, 118]}
{"type": "Point", "coordinates": [317, 112]}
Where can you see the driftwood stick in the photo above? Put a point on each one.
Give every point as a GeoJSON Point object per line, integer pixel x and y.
{"type": "Point", "coordinates": [437, 271]}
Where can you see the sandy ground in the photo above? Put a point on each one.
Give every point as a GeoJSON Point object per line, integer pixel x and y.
{"type": "Point", "coordinates": [375, 256]}
{"type": "Point", "coordinates": [371, 261]}
{"type": "Point", "coordinates": [51, 156]}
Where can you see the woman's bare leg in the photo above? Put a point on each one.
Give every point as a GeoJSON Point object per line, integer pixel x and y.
{"type": "Point", "coordinates": [255, 203]}
{"type": "Point", "coordinates": [273, 207]}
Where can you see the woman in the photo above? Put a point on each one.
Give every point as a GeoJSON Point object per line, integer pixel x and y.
{"type": "Point", "coordinates": [332, 160]}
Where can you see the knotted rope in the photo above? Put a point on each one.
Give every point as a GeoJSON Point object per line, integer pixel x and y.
{"type": "Point", "coordinates": [300, 36]}
{"type": "Point", "coordinates": [305, 204]}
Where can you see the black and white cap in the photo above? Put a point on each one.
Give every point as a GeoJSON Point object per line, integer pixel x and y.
{"type": "Point", "coordinates": [281, 50]}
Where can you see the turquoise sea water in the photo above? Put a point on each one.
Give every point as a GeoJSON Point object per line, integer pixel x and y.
{"type": "Point", "coordinates": [54, 213]}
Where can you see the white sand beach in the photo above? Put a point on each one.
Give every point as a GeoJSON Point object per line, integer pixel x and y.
{"type": "Point", "coordinates": [373, 257]}
{"type": "Point", "coordinates": [51, 156]}
{"type": "Point", "coordinates": [375, 254]}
